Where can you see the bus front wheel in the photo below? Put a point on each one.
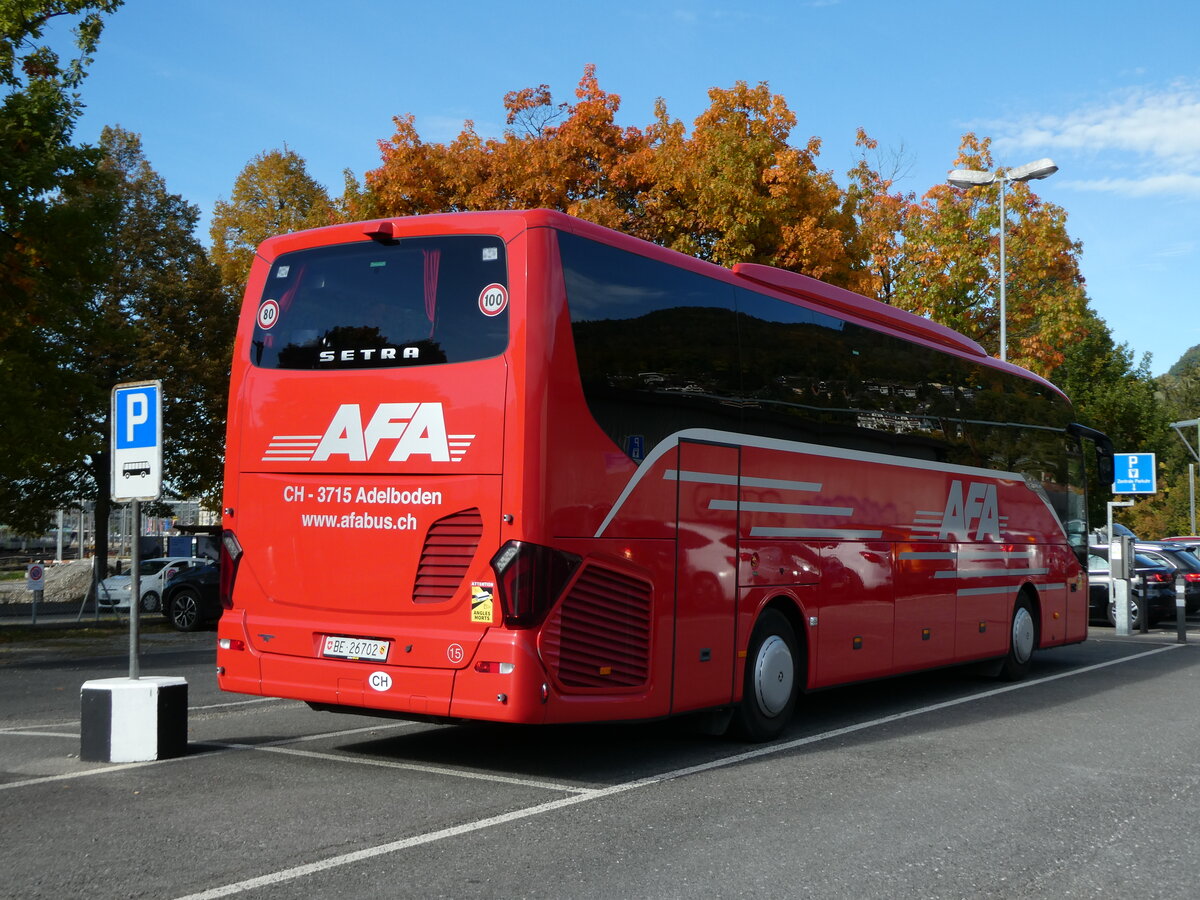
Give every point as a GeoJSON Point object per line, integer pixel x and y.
{"type": "Point", "coordinates": [771, 684]}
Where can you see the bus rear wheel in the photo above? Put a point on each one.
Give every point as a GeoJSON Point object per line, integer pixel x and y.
{"type": "Point", "coordinates": [771, 683]}
{"type": "Point", "coordinates": [1022, 641]}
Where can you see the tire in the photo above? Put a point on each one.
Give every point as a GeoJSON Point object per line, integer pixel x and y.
{"type": "Point", "coordinates": [150, 602]}
{"type": "Point", "coordinates": [1022, 641]}
{"type": "Point", "coordinates": [771, 686]}
{"type": "Point", "coordinates": [1134, 611]}
{"type": "Point", "coordinates": [184, 611]}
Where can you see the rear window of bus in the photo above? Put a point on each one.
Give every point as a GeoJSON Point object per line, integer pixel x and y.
{"type": "Point", "coordinates": [410, 302]}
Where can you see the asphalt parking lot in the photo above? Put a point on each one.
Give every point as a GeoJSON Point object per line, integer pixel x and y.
{"type": "Point", "coordinates": [1081, 781]}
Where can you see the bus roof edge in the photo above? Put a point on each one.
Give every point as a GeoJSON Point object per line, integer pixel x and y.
{"type": "Point", "coordinates": [845, 301]}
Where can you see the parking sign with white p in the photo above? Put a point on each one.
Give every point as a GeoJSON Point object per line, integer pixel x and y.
{"type": "Point", "coordinates": [137, 441]}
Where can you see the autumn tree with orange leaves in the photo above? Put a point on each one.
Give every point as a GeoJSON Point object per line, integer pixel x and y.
{"type": "Point", "coordinates": [950, 267]}
{"type": "Point", "coordinates": [736, 187]}
{"type": "Point", "coordinates": [732, 190]}
{"type": "Point", "coordinates": [569, 158]}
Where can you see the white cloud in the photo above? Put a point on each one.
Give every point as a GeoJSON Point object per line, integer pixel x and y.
{"type": "Point", "coordinates": [1151, 139]}
{"type": "Point", "coordinates": [1172, 184]}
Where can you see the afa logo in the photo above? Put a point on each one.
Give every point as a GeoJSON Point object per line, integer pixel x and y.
{"type": "Point", "coordinates": [401, 430]}
{"type": "Point", "coordinates": [971, 515]}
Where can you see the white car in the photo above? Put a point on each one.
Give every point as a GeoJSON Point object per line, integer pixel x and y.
{"type": "Point", "coordinates": [154, 574]}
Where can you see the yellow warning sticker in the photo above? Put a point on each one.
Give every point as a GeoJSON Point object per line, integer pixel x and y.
{"type": "Point", "coordinates": [483, 608]}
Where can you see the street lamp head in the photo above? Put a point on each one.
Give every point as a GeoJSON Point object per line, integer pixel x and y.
{"type": "Point", "coordinates": [966, 178]}
{"type": "Point", "coordinates": [1041, 168]}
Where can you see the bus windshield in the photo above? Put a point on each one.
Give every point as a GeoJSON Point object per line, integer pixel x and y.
{"type": "Point", "coordinates": [420, 301]}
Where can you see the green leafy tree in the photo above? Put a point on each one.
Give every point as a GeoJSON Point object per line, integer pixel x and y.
{"type": "Point", "coordinates": [157, 312]}
{"type": "Point", "coordinates": [1114, 395]}
{"type": "Point", "coordinates": [273, 194]}
{"type": "Point", "coordinates": [50, 241]}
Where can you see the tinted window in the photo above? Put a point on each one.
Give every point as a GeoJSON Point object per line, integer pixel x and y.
{"type": "Point", "coordinates": [661, 350]}
{"type": "Point", "coordinates": [656, 344]}
{"type": "Point", "coordinates": [416, 301]}
{"type": "Point", "coordinates": [811, 376]}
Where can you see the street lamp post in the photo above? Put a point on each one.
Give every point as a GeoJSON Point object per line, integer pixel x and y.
{"type": "Point", "coordinates": [967, 178]}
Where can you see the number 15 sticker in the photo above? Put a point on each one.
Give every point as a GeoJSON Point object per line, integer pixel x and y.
{"type": "Point", "coordinates": [493, 299]}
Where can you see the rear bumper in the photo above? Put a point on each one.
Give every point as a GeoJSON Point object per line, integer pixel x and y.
{"type": "Point", "coordinates": [473, 691]}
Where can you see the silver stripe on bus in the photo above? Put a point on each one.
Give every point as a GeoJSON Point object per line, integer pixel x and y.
{"type": "Point", "coordinates": [796, 508]}
{"type": "Point", "coordinates": [906, 554]}
{"type": "Point", "coordinates": [1005, 589]}
{"type": "Point", "coordinates": [718, 478]}
{"type": "Point", "coordinates": [734, 439]}
{"type": "Point", "coordinates": [849, 534]}
{"type": "Point", "coordinates": [990, 573]}
{"type": "Point", "coordinates": [699, 477]}
{"type": "Point", "coordinates": [979, 592]}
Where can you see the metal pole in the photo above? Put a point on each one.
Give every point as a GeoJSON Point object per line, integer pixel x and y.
{"type": "Point", "coordinates": [1192, 494]}
{"type": "Point", "coordinates": [1181, 609]}
{"type": "Point", "coordinates": [1003, 298]}
{"type": "Point", "coordinates": [135, 590]}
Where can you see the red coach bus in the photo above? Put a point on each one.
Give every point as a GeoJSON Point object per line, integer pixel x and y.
{"type": "Point", "coordinates": [517, 467]}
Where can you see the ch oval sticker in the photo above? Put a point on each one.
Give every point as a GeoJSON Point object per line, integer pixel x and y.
{"type": "Point", "coordinates": [493, 299]}
{"type": "Point", "coordinates": [380, 681]}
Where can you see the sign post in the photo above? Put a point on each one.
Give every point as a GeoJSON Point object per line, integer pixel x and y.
{"type": "Point", "coordinates": [35, 580]}
{"type": "Point", "coordinates": [136, 476]}
{"type": "Point", "coordinates": [1133, 473]}
{"type": "Point", "coordinates": [134, 719]}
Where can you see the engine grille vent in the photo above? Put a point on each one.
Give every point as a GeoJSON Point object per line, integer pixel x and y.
{"type": "Point", "coordinates": [449, 548]}
{"type": "Point", "coordinates": [599, 637]}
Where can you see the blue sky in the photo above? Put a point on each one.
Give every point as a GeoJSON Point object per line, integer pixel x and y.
{"type": "Point", "coordinates": [1110, 91]}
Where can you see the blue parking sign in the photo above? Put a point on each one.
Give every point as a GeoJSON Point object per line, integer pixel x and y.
{"type": "Point", "coordinates": [136, 419]}
{"type": "Point", "coordinates": [136, 441]}
{"type": "Point", "coordinates": [1134, 473]}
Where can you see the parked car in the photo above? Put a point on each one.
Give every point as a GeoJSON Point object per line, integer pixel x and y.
{"type": "Point", "coordinates": [1152, 585]}
{"type": "Point", "coordinates": [192, 599]}
{"type": "Point", "coordinates": [153, 574]}
{"type": "Point", "coordinates": [1180, 558]}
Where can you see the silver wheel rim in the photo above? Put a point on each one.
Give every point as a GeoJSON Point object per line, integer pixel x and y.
{"type": "Point", "coordinates": [774, 675]}
{"type": "Point", "coordinates": [186, 610]}
{"type": "Point", "coordinates": [1022, 635]}
{"type": "Point", "coordinates": [1134, 611]}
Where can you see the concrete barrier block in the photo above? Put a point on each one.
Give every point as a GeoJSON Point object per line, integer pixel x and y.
{"type": "Point", "coordinates": [133, 719]}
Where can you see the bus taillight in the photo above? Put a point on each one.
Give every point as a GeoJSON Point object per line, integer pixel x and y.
{"type": "Point", "coordinates": [231, 555]}
{"type": "Point", "coordinates": [529, 578]}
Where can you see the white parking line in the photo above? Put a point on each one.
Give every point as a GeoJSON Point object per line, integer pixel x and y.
{"type": "Point", "coordinates": [222, 748]}
{"type": "Point", "coordinates": [74, 723]}
{"type": "Point", "coordinates": [284, 875]}
{"type": "Point", "coordinates": [247, 703]}
{"type": "Point", "coordinates": [415, 767]}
